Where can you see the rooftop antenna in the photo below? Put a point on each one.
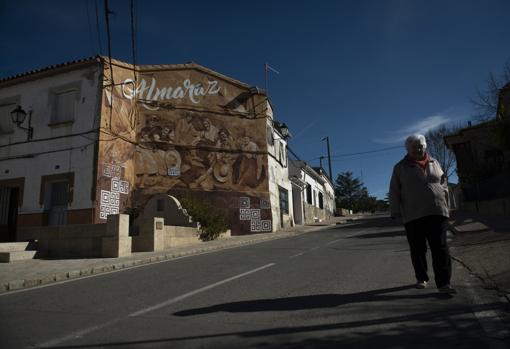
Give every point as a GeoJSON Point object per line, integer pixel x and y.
{"type": "Point", "coordinates": [267, 68]}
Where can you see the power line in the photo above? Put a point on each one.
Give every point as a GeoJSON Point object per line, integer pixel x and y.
{"type": "Point", "coordinates": [133, 49]}
{"type": "Point", "coordinates": [32, 155]}
{"type": "Point", "coordinates": [108, 36]}
{"type": "Point", "coordinates": [98, 28]}
{"type": "Point", "coordinates": [90, 27]}
{"type": "Point", "coordinates": [293, 153]}
{"type": "Point", "coordinates": [107, 13]}
{"type": "Point", "coordinates": [133, 34]}
{"type": "Point", "coordinates": [51, 138]}
{"type": "Point", "coordinates": [363, 152]}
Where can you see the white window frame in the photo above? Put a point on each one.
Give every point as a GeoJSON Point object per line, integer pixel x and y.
{"type": "Point", "coordinates": [53, 98]}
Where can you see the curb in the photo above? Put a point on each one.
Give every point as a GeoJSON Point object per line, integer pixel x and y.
{"type": "Point", "coordinates": [115, 265]}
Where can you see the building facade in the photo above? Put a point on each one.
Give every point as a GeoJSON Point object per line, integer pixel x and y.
{"type": "Point", "coordinates": [107, 136]}
{"type": "Point", "coordinates": [482, 152]}
{"type": "Point", "coordinates": [313, 193]}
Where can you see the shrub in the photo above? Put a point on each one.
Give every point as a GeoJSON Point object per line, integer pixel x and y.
{"type": "Point", "coordinates": [212, 222]}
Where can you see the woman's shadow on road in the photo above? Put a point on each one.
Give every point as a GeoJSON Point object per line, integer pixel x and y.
{"type": "Point", "coordinates": [311, 302]}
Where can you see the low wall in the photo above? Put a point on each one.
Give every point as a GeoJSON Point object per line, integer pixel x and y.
{"type": "Point", "coordinates": [179, 236]}
{"type": "Point", "coordinates": [82, 240]}
{"type": "Point", "coordinates": [154, 235]}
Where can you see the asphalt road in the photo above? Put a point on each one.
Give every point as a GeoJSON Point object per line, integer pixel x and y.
{"type": "Point", "coordinates": [348, 286]}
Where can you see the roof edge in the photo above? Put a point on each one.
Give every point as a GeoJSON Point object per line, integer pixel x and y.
{"type": "Point", "coordinates": [49, 70]}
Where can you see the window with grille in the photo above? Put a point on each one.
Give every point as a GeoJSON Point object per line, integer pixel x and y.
{"type": "Point", "coordinates": [284, 200]}
{"type": "Point", "coordinates": [56, 202]}
{"type": "Point", "coordinates": [309, 194]}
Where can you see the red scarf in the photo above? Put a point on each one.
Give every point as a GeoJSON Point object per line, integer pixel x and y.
{"type": "Point", "coordinates": [422, 163]}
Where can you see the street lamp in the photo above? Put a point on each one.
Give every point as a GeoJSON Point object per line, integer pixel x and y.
{"type": "Point", "coordinates": [285, 130]}
{"type": "Point", "coordinates": [282, 128]}
{"type": "Point", "coordinates": [18, 116]}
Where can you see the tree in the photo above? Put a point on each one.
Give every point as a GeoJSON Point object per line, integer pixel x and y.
{"type": "Point", "coordinates": [486, 101]}
{"type": "Point", "coordinates": [348, 190]}
{"type": "Point", "coordinates": [352, 195]}
{"type": "Point", "coordinates": [437, 148]}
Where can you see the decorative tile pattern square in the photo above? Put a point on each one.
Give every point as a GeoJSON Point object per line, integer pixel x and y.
{"type": "Point", "coordinates": [244, 202]}
{"type": "Point", "coordinates": [107, 171]}
{"type": "Point", "coordinates": [115, 185]}
{"type": "Point", "coordinates": [244, 214]}
{"type": "Point", "coordinates": [105, 197]}
{"type": "Point", "coordinates": [255, 214]}
{"type": "Point", "coordinates": [124, 187]}
{"type": "Point", "coordinates": [255, 225]}
{"type": "Point", "coordinates": [265, 225]}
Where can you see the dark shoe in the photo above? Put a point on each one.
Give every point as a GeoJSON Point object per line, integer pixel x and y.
{"type": "Point", "coordinates": [447, 289]}
{"type": "Point", "coordinates": [421, 285]}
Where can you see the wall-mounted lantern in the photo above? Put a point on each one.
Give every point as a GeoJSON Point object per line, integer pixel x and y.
{"type": "Point", "coordinates": [18, 116]}
{"type": "Point", "coordinates": [285, 131]}
{"type": "Point", "coordinates": [282, 128]}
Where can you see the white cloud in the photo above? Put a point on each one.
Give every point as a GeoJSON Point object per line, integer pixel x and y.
{"type": "Point", "coordinates": [422, 126]}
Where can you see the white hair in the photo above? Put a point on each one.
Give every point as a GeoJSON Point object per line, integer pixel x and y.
{"type": "Point", "coordinates": [416, 138]}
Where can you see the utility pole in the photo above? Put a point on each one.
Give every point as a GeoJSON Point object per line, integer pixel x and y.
{"type": "Point", "coordinates": [320, 161]}
{"type": "Point", "coordinates": [329, 157]}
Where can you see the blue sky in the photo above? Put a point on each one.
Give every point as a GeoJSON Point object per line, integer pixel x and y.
{"type": "Point", "coordinates": [363, 73]}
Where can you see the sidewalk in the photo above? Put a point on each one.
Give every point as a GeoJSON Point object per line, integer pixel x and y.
{"type": "Point", "coordinates": [482, 244]}
{"type": "Point", "coordinates": [36, 272]}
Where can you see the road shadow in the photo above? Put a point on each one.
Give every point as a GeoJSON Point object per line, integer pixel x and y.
{"type": "Point", "coordinates": [418, 330]}
{"type": "Point", "coordinates": [372, 222]}
{"type": "Point", "coordinates": [311, 302]}
{"type": "Point", "coordinates": [384, 234]}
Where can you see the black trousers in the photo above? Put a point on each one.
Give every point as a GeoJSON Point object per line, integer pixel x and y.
{"type": "Point", "coordinates": [433, 230]}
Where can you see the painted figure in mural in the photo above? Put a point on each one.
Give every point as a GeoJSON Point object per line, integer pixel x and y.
{"type": "Point", "coordinates": [219, 172]}
{"type": "Point", "coordinates": [152, 164]}
{"type": "Point", "coordinates": [224, 160]}
{"type": "Point", "coordinates": [208, 137]}
{"type": "Point", "coordinates": [209, 131]}
{"type": "Point", "coordinates": [185, 131]}
{"type": "Point", "coordinates": [167, 133]}
{"type": "Point", "coordinates": [186, 134]}
{"type": "Point", "coordinates": [249, 170]}
{"type": "Point", "coordinates": [147, 166]}
{"type": "Point", "coordinates": [151, 131]}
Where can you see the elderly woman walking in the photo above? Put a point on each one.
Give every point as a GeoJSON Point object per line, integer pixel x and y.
{"type": "Point", "coordinates": [419, 195]}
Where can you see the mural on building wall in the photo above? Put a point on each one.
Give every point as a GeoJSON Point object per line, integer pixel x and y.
{"type": "Point", "coordinates": [185, 130]}
{"type": "Point", "coordinates": [197, 151]}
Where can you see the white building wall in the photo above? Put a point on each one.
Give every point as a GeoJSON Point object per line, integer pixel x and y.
{"type": "Point", "coordinates": [34, 159]}
{"type": "Point", "coordinates": [329, 197]}
{"type": "Point", "coordinates": [278, 176]}
{"type": "Point", "coordinates": [319, 184]}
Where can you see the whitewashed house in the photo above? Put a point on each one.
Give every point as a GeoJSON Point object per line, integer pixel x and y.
{"type": "Point", "coordinates": [313, 193]}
